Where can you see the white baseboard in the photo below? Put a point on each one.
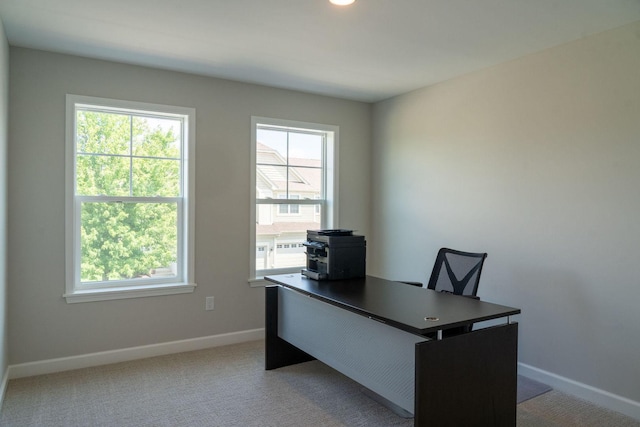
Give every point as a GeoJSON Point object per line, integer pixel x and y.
{"type": "Point", "coordinates": [126, 354]}
{"type": "Point", "coordinates": [597, 396]}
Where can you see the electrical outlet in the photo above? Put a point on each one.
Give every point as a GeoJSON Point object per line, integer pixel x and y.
{"type": "Point", "coordinates": [209, 303]}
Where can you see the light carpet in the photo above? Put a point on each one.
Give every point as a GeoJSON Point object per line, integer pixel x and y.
{"type": "Point", "coordinates": [228, 386]}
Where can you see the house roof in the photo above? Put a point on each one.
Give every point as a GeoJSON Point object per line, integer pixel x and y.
{"type": "Point", "coordinates": [304, 179]}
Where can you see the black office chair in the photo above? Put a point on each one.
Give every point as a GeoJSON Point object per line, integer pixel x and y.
{"type": "Point", "coordinates": [461, 272]}
{"type": "Point", "coordinates": [460, 276]}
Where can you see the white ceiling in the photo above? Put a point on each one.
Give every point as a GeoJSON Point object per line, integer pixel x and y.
{"type": "Point", "coordinates": [369, 51]}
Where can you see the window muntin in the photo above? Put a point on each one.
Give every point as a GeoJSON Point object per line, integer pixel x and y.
{"type": "Point", "coordinates": [130, 186]}
{"type": "Point", "coordinates": [292, 161]}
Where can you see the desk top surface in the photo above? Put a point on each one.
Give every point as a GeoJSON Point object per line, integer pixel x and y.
{"type": "Point", "coordinates": [407, 307]}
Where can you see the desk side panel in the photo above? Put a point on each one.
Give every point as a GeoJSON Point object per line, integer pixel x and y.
{"type": "Point", "coordinates": [378, 356]}
{"type": "Point", "coordinates": [469, 379]}
{"type": "Point", "coordinates": [278, 352]}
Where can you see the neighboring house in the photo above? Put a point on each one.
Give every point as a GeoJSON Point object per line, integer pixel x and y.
{"type": "Point", "coordinates": [282, 228]}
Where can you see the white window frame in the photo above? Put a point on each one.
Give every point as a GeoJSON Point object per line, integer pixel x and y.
{"type": "Point", "coordinates": [184, 281]}
{"type": "Point", "coordinates": [329, 206]}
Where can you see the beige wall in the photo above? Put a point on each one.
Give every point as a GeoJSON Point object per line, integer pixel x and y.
{"type": "Point", "coordinates": [537, 162]}
{"type": "Point", "coordinates": [41, 324]}
{"type": "Point", "coordinates": [4, 120]}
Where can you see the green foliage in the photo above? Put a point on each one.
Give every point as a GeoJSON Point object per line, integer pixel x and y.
{"type": "Point", "coordinates": [127, 156]}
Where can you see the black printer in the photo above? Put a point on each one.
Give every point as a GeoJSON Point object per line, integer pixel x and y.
{"type": "Point", "coordinates": [334, 255]}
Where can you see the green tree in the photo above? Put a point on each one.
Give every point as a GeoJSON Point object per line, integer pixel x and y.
{"type": "Point", "coordinates": [136, 160]}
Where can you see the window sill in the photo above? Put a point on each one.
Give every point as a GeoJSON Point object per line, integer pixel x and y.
{"type": "Point", "coordinates": [91, 295]}
{"type": "Point", "coordinates": [258, 282]}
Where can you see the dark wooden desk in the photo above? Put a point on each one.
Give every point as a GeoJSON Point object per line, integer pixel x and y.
{"type": "Point", "coordinates": [376, 332]}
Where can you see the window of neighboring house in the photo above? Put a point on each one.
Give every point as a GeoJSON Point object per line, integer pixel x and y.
{"type": "Point", "coordinates": [130, 199]}
{"type": "Point", "coordinates": [289, 209]}
{"type": "Point", "coordinates": [290, 161]}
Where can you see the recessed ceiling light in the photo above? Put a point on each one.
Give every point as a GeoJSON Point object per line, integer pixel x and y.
{"type": "Point", "coordinates": [342, 2]}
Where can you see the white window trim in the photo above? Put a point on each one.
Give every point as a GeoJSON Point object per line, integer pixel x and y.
{"type": "Point", "coordinates": [330, 217]}
{"type": "Point", "coordinates": [185, 283]}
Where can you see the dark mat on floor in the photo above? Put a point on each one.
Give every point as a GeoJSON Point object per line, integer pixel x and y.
{"type": "Point", "coordinates": [528, 388]}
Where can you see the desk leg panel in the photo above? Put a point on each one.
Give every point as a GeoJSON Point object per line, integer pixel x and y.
{"type": "Point", "coordinates": [278, 352]}
{"type": "Point", "coordinates": [468, 380]}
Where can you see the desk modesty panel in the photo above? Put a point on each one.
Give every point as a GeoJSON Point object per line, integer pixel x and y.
{"type": "Point", "coordinates": [378, 356]}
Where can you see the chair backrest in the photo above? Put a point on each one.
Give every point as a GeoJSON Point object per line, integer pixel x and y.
{"type": "Point", "coordinates": [461, 272]}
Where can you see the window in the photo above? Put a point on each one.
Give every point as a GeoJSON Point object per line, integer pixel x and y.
{"type": "Point", "coordinates": [289, 209]}
{"type": "Point", "coordinates": [290, 161]}
{"type": "Point", "coordinates": [130, 199]}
